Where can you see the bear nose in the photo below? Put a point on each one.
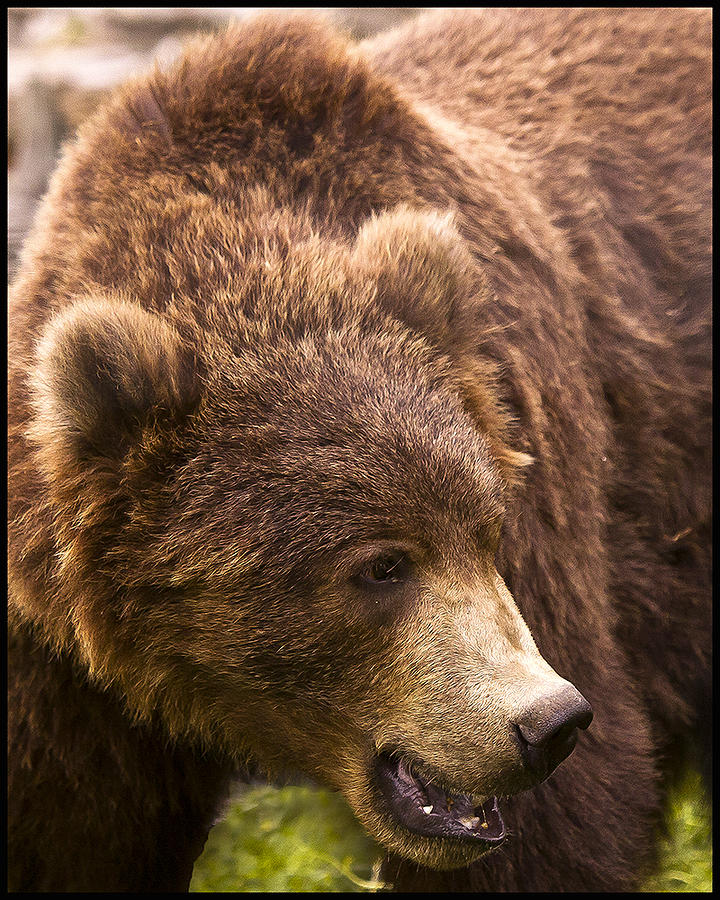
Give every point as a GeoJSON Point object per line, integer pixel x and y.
{"type": "Point", "coordinates": [547, 730]}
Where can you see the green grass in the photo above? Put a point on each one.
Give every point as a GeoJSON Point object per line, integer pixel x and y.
{"type": "Point", "coordinates": [686, 849]}
{"type": "Point", "coordinates": [306, 839]}
{"type": "Point", "coordinates": [287, 839]}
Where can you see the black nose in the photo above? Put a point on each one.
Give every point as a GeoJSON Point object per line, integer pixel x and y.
{"type": "Point", "coordinates": [547, 730]}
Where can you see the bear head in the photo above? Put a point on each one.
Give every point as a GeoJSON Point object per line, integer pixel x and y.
{"type": "Point", "coordinates": [276, 513]}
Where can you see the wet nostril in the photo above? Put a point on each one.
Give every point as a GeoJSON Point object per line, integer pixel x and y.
{"type": "Point", "coordinates": [547, 730]}
{"type": "Point", "coordinates": [583, 716]}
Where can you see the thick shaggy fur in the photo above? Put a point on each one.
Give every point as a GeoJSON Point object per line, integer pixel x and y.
{"type": "Point", "coordinates": [293, 293]}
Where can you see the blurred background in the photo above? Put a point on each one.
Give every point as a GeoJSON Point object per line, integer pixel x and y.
{"type": "Point", "coordinates": [61, 63]}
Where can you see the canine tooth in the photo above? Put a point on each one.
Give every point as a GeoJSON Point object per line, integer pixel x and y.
{"type": "Point", "coordinates": [427, 810]}
{"type": "Point", "coordinates": [469, 821]}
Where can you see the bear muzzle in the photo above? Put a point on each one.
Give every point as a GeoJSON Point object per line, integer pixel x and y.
{"type": "Point", "coordinates": [423, 801]}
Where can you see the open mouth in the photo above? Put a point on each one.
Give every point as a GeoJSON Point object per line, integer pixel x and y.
{"type": "Point", "coordinates": [427, 809]}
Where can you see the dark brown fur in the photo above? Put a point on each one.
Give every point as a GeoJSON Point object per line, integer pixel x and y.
{"type": "Point", "coordinates": [234, 260]}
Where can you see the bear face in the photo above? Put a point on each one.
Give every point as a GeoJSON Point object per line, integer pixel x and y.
{"type": "Point", "coordinates": [314, 473]}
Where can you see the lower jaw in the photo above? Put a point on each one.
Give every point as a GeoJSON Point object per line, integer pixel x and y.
{"type": "Point", "coordinates": [441, 854]}
{"type": "Point", "coordinates": [438, 853]}
{"type": "Point", "coordinates": [448, 846]}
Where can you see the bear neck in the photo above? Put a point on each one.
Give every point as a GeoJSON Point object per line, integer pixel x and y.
{"type": "Point", "coordinates": [143, 803]}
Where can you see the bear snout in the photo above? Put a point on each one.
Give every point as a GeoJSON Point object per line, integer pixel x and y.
{"type": "Point", "coordinates": [547, 730]}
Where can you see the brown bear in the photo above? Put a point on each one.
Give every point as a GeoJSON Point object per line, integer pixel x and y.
{"type": "Point", "coordinates": [336, 372]}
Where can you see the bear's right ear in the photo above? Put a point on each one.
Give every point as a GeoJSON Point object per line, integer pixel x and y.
{"type": "Point", "coordinates": [104, 370]}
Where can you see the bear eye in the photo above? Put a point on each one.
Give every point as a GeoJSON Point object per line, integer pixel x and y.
{"type": "Point", "coordinates": [388, 568]}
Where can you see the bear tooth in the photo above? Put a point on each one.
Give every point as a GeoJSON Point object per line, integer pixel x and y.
{"type": "Point", "coordinates": [427, 810]}
{"type": "Point", "coordinates": [469, 821]}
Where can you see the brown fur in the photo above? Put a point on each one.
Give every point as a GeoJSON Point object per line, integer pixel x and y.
{"type": "Point", "coordinates": [294, 300]}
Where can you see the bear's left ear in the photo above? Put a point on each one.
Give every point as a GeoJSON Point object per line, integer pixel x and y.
{"type": "Point", "coordinates": [104, 370]}
{"type": "Point", "coordinates": [423, 270]}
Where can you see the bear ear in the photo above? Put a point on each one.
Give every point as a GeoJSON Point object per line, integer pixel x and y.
{"type": "Point", "coordinates": [425, 275]}
{"type": "Point", "coordinates": [104, 370]}
{"type": "Point", "coordinates": [423, 270]}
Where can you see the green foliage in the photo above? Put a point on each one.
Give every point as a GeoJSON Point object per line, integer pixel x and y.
{"type": "Point", "coordinates": [686, 848]}
{"type": "Point", "coordinates": [306, 839]}
{"type": "Point", "coordinates": [287, 839]}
